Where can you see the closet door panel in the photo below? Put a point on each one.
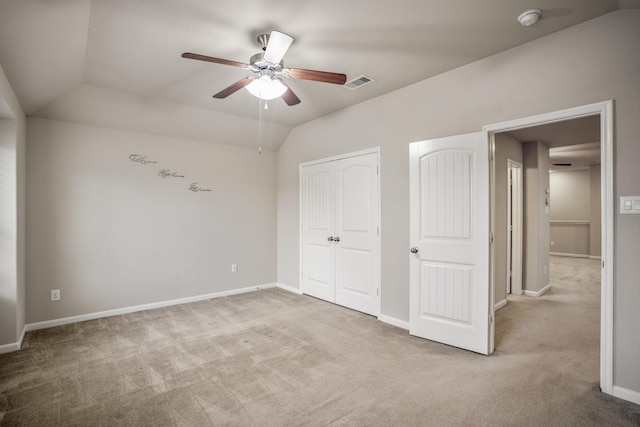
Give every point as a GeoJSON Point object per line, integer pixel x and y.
{"type": "Point", "coordinates": [357, 282]}
{"type": "Point", "coordinates": [318, 226]}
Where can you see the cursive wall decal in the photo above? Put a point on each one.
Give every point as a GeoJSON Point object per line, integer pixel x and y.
{"type": "Point", "coordinates": [195, 187]}
{"type": "Point", "coordinates": [166, 173]}
{"type": "Point", "coordinates": [138, 158]}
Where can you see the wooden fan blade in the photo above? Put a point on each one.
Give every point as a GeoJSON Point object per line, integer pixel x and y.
{"type": "Point", "coordinates": [289, 97]}
{"type": "Point", "coordinates": [198, 57]}
{"type": "Point", "coordinates": [234, 87]}
{"type": "Point", "coordinates": [318, 76]}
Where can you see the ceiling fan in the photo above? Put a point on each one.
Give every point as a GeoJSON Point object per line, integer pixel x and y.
{"type": "Point", "coordinates": [268, 69]}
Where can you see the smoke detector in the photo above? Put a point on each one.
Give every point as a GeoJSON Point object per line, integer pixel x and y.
{"type": "Point", "coordinates": [529, 17]}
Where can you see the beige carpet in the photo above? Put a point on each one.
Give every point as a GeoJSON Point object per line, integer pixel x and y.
{"type": "Point", "coordinates": [272, 358]}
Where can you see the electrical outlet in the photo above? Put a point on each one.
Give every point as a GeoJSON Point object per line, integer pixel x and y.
{"type": "Point", "coordinates": [234, 268]}
{"type": "Point", "coordinates": [553, 243]}
{"type": "Point", "coordinates": [55, 295]}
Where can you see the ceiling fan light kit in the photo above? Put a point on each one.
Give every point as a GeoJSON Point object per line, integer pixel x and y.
{"type": "Point", "coordinates": [266, 88]}
{"type": "Point", "coordinates": [529, 17]}
{"type": "Point", "coordinates": [268, 68]}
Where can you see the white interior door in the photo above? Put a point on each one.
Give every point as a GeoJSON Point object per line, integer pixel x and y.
{"type": "Point", "coordinates": [449, 224]}
{"type": "Point", "coordinates": [340, 231]}
{"type": "Point", "coordinates": [318, 225]}
{"type": "Point", "coordinates": [357, 273]}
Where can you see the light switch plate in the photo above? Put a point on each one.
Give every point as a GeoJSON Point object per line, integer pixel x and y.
{"type": "Point", "coordinates": [630, 204]}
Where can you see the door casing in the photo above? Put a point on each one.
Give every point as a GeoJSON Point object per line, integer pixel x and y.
{"type": "Point", "coordinates": [514, 215]}
{"type": "Point", "coordinates": [605, 110]}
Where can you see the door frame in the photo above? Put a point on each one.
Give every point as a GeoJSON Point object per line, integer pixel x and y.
{"type": "Point", "coordinates": [378, 208]}
{"type": "Point", "coordinates": [515, 217]}
{"type": "Point", "coordinates": [606, 112]}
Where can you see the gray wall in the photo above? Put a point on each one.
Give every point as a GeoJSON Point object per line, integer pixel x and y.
{"type": "Point", "coordinates": [574, 195]}
{"type": "Point", "coordinates": [111, 233]}
{"type": "Point", "coordinates": [12, 227]}
{"type": "Point", "coordinates": [569, 68]}
{"type": "Point", "coordinates": [506, 148]}
{"type": "Point", "coordinates": [535, 256]}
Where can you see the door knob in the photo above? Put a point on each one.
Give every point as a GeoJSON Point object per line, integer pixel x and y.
{"type": "Point", "coordinates": [330, 238]}
{"type": "Point", "coordinates": [336, 239]}
{"type": "Point", "coordinates": [414, 250]}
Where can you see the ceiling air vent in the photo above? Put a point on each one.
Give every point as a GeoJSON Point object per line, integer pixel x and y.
{"type": "Point", "coordinates": [359, 82]}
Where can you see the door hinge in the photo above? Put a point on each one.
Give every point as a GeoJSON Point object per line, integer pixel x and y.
{"type": "Point", "coordinates": [377, 292]}
{"type": "Point", "coordinates": [491, 238]}
{"type": "Point", "coordinates": [378, 231]}
{"type": "Point", "coordinates": [377, 170]}
{"type": "Point", "coordinates": [490, 319]}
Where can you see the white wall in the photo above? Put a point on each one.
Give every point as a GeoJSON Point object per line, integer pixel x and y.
{"type": "Point", "coordinates": [111, 233]}
{"type": "Point", "coordinates": [574, 67]}
{"type": "Point", "coordinates": [12, 172]}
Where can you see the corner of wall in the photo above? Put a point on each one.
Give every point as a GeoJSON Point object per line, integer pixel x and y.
{"type": "Point", "coordinates": [13, 143]}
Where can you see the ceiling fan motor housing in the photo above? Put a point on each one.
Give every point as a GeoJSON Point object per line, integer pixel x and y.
{"type": "Point", "coordinates": [258, 65]}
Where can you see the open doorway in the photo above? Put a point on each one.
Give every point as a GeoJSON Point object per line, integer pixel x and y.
{"type": "Point", "coordinates": [562, 161]}
{"type": "Point", "coordinates": [538, 269]}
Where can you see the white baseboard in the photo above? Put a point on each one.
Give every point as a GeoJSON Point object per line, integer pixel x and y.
{"type": "Point", "coordinates": [133, 309]}
{"type": "Point", "coordinates": [393, 321]}
{"type": "Point", "coordinates": [24, 332]}
{"type": "Point", "coordinates": [289, 288]}
{"type": "Point", "coordinates": [626, 394]}
{"type": "Point", "coordinates": [8, 348]}
{"type": "Point", "coordinates": [500, 304]}
{"type": "Point", "coordinates": [569, 255]}
{"type": "Point", "coordinates": [14, 346]}
{"type": "Point", "coordinates": [538, 293]}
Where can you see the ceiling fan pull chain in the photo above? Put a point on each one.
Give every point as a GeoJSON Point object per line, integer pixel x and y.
{"type": "Point", "coordinates": [260, 125]}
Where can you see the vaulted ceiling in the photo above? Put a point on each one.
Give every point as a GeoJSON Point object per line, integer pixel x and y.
{"type": "Point", "coordinates": [117, 63]}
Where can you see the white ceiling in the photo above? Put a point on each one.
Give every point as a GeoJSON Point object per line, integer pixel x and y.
{"type": "Point", "coordinates": [117, 63]}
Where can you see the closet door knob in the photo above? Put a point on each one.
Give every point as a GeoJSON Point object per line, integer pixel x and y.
{"type": "Point", "coordinates": [336, 239]}
{"type": "Point", "coordinates": [414, 250]}
{"type": "Point", "coordinates": [330, 238]}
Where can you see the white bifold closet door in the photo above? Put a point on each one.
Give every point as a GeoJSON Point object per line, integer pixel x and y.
{"type": "Point", "coordinates": [340, 232]}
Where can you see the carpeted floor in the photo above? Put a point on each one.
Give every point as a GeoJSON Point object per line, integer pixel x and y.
{"type": "Point", "coordinates": [272, 358]}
